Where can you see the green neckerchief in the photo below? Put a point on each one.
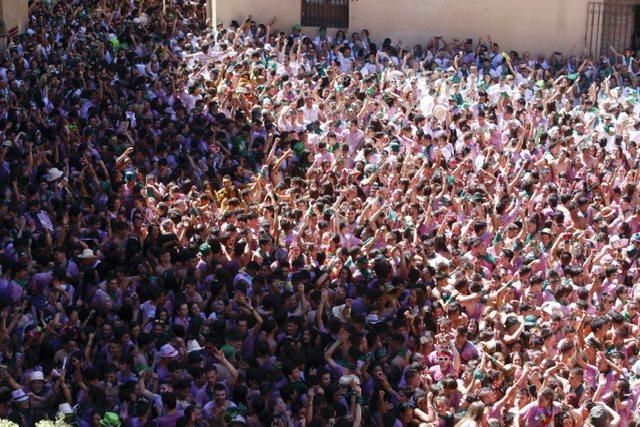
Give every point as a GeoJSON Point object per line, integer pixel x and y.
{"type": "Point", "coordinates": [496, 239]}
{"type": "Point", "coordinates": [346, 364]}
{"type": "Point", "coordinates": [489, 258]}
{"type": "Point", "coordinates": [334, 147]}
{"type": "Point", "coordinates": [517, 245]}
{"type": "Point", "coordinates": [365, 272]}
{"type": "Point", "coordinates": [539, 132]}
{"type": "Point", "coordinates": [401, 352]}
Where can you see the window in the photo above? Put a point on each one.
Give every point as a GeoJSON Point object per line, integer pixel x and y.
{"type": "Point", "coordinates": [325, 13]}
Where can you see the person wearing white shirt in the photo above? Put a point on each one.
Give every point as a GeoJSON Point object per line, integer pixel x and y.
{"type": "Point", "coordinates": [311, 112]}
{"type": "Point", "coordinates": [353, 137]}
{"type": "Point", "coordinates": [445, 147]}
{"type": "Point", "coordinates": [345, 60]}
{"type": "Point", "coordinates": [322, 37]}
{"type": "Point", "coordinates": [369, 66]}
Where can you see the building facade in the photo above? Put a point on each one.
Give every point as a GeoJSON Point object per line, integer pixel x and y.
{"type": "Point", "coordinates": [540, 26]}
{"type": "Point", "coordinates": [15, 15]}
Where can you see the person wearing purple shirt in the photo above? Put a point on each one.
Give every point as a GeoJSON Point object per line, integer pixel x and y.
{"type": "Point", "coordinates": [171, 412]}
{"type": "Point", "coordinates": [466, 349]}
{"type": "Point", "coordinates": [541, 412]}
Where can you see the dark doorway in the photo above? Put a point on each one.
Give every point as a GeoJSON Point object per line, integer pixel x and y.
{"type": "Point", "coordinates": [610, 24]}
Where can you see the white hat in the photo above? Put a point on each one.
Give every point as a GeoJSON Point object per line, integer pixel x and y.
{"type": "Point", "coordinates": [54, 173]}
{"type": "Point", "coordinates": [373, 318]}
{"type": "Point", "coordinates": [338, 312]}
{"type": "Point", "coordinates": [87, 254]}
{"type": "Point", "coordinates": [193, 345]}
{"type": "Point", "coordinates": [439, 112]}
{"type": "Point", "coordinates": [346, 380]}
{"type": "Point", "coordinates": [239, 419]}
{"type": "Point", "coordinates": [64, 409]}
{"type": "Point", "coordinates": [36, 376]}
{"type": "Point", "coordinates": [19, 396]}
{"type": "Point", "coordinates": [168, 351]}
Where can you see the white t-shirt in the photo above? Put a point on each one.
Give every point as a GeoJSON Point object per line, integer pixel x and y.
{"type": "Point", "coordinates": [310, 114]}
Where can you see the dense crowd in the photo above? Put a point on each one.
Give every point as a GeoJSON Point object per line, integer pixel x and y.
{"type": "Point", "coordinates": [239, 225]}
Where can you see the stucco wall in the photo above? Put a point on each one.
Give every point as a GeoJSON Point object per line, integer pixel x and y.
{"type": "Point", "coordinates": [263, 11]}
{"type": "Point", "coordinates": [15, 14]}
{"type": "Point", "coordinates": [536, 26]}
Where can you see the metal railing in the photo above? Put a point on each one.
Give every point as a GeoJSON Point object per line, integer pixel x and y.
{"type": "Point", "coordinates": [327, 13]}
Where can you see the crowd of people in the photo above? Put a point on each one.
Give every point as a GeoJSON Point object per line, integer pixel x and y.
{"type": "Point", "coordinates": [245, 225]}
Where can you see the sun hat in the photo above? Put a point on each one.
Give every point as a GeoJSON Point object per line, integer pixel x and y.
{"type": "Point", "coordinates": [36, 376]}
{"type": "Point", "coordinates": [373, 318]}
{"type": "Point", "coordinates": [54, 174]}
{"type": "Point", "coordinates": [193, 346]}
{"type": "Point", "coordinates": [87, 254]}
{"type": "Point", "coordinates": [110, 419]}
{"type": "Point", "coordinates": [168, 351]}
{"type": "Point", "coordinates": [18, 396]}
{"type": "Point", "coordinates": [439, 112]}
{"type": "Point", "coordinates": [65, 409]}
{"type": "Point", "coordinates": [338, 312]}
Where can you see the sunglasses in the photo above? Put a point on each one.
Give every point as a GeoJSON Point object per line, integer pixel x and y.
{"type": "Point", "coordinates": [443, 359]}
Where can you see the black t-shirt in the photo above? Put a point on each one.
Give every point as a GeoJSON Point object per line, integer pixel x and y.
{"type": "Point", "coordinates": [168, 238]}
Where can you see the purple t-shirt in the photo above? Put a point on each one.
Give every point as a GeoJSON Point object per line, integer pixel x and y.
{"type": "Point", "coordinates": [537, 416]}
{"type": "Point", "coordinates": [169, 420]}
